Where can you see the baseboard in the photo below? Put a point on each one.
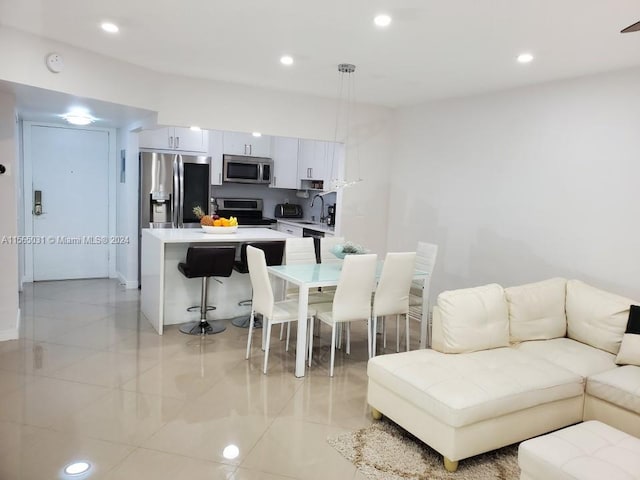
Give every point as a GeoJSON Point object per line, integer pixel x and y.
{"type": "Point", "coordinates": [11, 333]}
{"type": "Point", "coordinates": [128, 284]}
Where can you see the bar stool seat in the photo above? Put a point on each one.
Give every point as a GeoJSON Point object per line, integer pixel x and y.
{"type": "Point", "coordinates": [273, 252]}
{"type": "Point", "coordinates": [204, 262]}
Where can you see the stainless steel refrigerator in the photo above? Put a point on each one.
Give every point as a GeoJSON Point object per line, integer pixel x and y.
{"type": "Point", "coordinates": [171, 185]}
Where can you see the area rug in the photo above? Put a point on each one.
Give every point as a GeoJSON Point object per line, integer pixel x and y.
{"type": "Point", "coordinates": [384, 451]}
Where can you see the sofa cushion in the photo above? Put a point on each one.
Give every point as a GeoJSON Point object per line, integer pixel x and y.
{"type": "Point", "coordinates": [629, 353]}
{"type": "Point", "coordinates": [462, 389]}
{"type": "Point", "coordinates": [574, 356]}
{"type": "Point", "coordinates": [620, 387]}
{"type": "Point", "coordinates": [473, 319]}
{"type": "Point", "coordinates": [596, 317]}
{"type": "Point", "coordinates": [536, 310]}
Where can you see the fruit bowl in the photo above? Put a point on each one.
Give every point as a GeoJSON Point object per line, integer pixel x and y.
{"type": "Point", "coordinates": [208, 229]}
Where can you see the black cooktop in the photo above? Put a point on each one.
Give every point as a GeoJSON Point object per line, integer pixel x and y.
{"type": "Point", "coordinates": [246, 218]}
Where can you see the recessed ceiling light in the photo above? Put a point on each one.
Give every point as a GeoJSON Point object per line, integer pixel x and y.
{"type": "Point", "coordinates": [78, 118]}
{"type": "Point", "coordinates": [525, 58]}
{"type": "Point", "coordinates": [286, 60]}
{"type": "Point", "coordinates": [230, 452]}
{"type": "Point", "coordinates": [382, 20]}
{"type": "Point", "coordinates": [77, 468]}
{"type": "Point", "coordinates": [110, 27]}
{"type": "Point", "coordinates": [256, 134]}
{"type": "Point", "coordinates": [195, 128]}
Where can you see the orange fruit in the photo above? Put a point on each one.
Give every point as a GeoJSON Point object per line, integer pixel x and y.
{"type": "Point", "coordinates": [217, 223]}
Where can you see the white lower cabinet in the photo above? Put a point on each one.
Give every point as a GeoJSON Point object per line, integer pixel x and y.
{"type": "Point", "coordinates": [290, 229]}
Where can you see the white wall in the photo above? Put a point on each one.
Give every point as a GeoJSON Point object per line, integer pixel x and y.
{"type": "Point", "coordinates": [8, 220]}
{"type": "Point", "coordinates": [127, 209]}
{"type": "Point", "coordinates": [523, 185]}
{"type": "Point", "coordinates": [184, 101]}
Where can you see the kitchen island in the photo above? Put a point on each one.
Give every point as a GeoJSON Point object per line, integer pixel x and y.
{"type": "Point", "coordinates": [166, 293]}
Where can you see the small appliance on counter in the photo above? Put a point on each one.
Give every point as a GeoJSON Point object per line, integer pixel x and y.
{"type": "Point", "coordinates": [288, 210]}
{"type": "Point", "coordinates": [331, 215]}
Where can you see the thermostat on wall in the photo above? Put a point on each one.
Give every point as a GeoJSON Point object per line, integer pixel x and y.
{"type": "Point", "coordinates": [54, 62]}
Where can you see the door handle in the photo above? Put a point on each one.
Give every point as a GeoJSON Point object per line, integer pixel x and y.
{"type": "Point", "coordinates": [37, 202]}
{"type": "Point", "coordinates": [177, 142]}
{"type": "Point", "coordinates": [170, 142]}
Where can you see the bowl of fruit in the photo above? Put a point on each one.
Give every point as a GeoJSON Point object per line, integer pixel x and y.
{"type": "Point", "coordinates": [215, 223]}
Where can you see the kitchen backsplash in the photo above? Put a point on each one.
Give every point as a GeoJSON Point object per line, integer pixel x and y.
{"type": "Point", "coordinates": [272, 196]}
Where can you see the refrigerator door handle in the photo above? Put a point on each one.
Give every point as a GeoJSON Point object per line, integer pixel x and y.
{"type": "Point", "coordinates": [181, 208]}
{"type": "Point", "coordinates": [176, 195]}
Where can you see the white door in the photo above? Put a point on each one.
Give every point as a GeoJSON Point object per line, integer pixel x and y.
{"type": "Point", "coordinates": [70, 169]}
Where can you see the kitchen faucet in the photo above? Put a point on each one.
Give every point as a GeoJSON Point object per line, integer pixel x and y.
{"type": "Point", "coordinates": [322, 217]}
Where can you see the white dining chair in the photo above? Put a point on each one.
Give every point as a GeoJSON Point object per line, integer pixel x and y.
{"type": "Point", "coordinates": [263, 302]}
{"type": "Point", "coordinates": [392, 293]}
{"type": "Point", "coordinates": [326, 244]}
{"type": "Point", "coordinates": [419, 308]}
{"type": "Point", "coordinates": [351, 302]}
{"type": "Point", "coordinates": [301, 250]}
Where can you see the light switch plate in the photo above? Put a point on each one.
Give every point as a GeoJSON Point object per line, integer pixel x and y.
{"type": "Point", "coordinates": [54, 62]}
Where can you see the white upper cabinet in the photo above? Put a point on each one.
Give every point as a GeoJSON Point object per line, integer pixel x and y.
{"type": "Point", "coordinates": [236, 143]}
{"type": "Point", "coordinates": [312, 159]}
{"type": "Point", "coordinates": [285, 163]}
{"type": "Point", "coordinates": [215, 151]}
{"type": "Point", "coordinates": [319, 163]}
{"type": "Point", "coordinates": [175, 138]}
{"type": "Point", "coordinates": [312, 163]}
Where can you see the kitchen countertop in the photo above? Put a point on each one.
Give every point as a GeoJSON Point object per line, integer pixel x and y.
{"type": "Point", "coordinates": [196, 235]}
{"type": "Point", "coordinates": [300, 222]}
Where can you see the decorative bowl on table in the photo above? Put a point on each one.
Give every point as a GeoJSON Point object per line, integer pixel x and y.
{"type": "Point", "coordinates": [209, 229]}
{"type": "Point", "coordinates": [341, 250]}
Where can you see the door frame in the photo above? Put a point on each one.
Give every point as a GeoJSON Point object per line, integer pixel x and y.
{"type": "Point", "coordinates": [28, 191]}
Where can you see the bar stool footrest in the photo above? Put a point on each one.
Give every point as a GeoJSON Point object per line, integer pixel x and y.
{"type": "Point", "coordinates": [196, 308]}
{"type": "Point", "coordinates": [203, 328]}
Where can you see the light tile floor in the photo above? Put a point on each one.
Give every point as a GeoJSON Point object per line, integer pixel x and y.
{"type": "Point", "coordinates": [90, 380]}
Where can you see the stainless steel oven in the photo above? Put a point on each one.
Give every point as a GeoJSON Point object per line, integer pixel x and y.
{"type": "Point", "coordinates": [241, 169]}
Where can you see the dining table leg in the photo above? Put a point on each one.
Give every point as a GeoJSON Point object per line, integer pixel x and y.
{"type": "Point", "coordinates": [301, 338]}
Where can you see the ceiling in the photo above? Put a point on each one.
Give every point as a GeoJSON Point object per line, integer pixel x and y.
{"type": "Point", "coordinates": [433, 48]}
{"type": "Point", "coordinates": [40, 105]}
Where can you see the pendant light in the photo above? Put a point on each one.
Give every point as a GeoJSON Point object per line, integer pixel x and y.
{"type": "Point", "coordinates": [345, 111]}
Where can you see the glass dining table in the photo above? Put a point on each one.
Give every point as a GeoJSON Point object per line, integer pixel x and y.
{"type": "Point", "coordinates": [306, 277]}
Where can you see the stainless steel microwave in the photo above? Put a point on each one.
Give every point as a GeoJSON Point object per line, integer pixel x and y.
{"type": "Point", "coordinates": [241, 169]}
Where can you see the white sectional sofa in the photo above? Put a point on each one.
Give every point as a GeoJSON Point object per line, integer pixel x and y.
{"type": "Point", "coordinates": [511, 364]}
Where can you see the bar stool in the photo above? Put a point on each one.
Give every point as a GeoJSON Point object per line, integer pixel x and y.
{"type": "Point", "coordinates": [204, 262]}
{"type": "Point", "coordinates": [273, 252]}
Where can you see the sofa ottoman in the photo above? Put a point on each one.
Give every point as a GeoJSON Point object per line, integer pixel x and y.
{"type": "Point", "coordinates": [474, 402]}
{"type": "Point", "coordinates": [587, 451]}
